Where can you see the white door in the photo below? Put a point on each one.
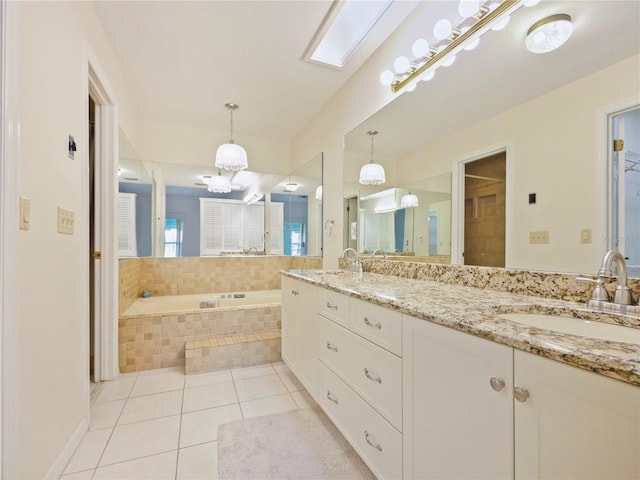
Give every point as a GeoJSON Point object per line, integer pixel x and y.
{"type": "Point", "coordinates": [575, 423]}
{"type": "Point", "coordinates": [457, 404]}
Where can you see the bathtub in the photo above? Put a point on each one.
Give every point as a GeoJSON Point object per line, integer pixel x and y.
{"type": "Point", "coordinates": [175, 304]}
{"type": "Point", "coordinates": [153, 331]}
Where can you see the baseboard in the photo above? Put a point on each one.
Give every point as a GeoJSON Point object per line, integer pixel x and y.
{"type": "Point", "coordinates": [57, 469]}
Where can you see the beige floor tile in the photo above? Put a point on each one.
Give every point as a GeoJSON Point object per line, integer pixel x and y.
{"type": "Point", "coordinates": [198, 462]}
{"type": "Point", "coordinates": [142, 439]}
{"type": "Point", "coordinates": [105, 414]}
{"type": "Point", "coordinates": [155, 467]}
{"type": "Point", "coordinates": [267, 406]}
{"type": "Point", "coordinates": [88, 453]}
{"type": "Point", "coordinates": [117, 389]}
{"type": "Point", "coordinates": [303, 399]}
{"type": "Point", "coordinates": [156, 383]}
{"type": "Point", "coordinates": [259, 387]}
{"type": "Point", "coordinates": [256, 371]}
{"type": "Point", "coordinates": [290, 381]}
{"type": "Point", "coordinates": [209, 396]}
{"type": "Point", "coordinates": [148, 407]}
{"type": "Point", "coordinates": [202, 426]}
{"type": "Point", "coordinates": [199, 379]}
{"type": "Point", "coordinates": [85, 475]}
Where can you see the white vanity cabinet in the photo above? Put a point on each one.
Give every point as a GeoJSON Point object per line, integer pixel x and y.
{"type": "Point", "coordinates": [458, 414]}
{"type": "Point", "coordinates": [360, 385]}
{"type": "Point", "coordinates": [575, 423]}
{"type": "Point", "coordinates": [300, 331]}
{"type": "Point", "coordinates": [478, 409]}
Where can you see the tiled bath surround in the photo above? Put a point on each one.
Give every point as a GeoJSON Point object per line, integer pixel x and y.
{"type": "Point", "coordinates": [561, 286]}
{"type": "Point", "coordinates": [158, 341]}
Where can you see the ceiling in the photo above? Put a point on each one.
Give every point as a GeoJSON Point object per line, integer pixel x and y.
{"type": "Point", "coordinates": [500, 73]}
{"type": "Point", "coordinates": [183, 60]}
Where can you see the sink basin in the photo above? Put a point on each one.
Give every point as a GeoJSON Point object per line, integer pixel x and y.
{"type": "Point", "coordinates": [576, 326]}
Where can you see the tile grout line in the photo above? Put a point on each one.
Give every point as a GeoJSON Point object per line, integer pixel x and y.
{"type": "Point", "coordinates": [184, 388]}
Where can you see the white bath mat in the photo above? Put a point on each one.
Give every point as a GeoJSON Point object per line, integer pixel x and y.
{"type": "Point", "coordinates": [300, 444]}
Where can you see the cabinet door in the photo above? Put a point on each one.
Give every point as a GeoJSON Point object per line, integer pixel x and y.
{"type": "Point", "coordinates": [455, 424]}
{"type": "Point", "coordinates": [290, 294]}
{"type": "Point", "coordinates": [575, 423]}
{"type": "Point", "coordinates": [308, 337]}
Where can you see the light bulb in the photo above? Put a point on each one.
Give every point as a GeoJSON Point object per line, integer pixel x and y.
{"type": "Point", "coordinates": [472, 44]}
{"type": "Point", "coordinates": [428, 75]}
{"type": "Point", "coordinates": [501, 24]}
{"type": "Point", "coordinates": [531, 3]}
{"type": "Point", "coordinates": [411, 87]}
{"type": "Point", "coordinates": [449, 61]}
{"type": "Point", "coordinates": [401, 65]}
{"type": "Point", "coordinates": [468, 8]}
{"type": "Point", "coordinates": [386, 78]}
{"type": "Point", "coordinates": [420, 48]}
{"type": "Point", "coordinates": [442, 29]}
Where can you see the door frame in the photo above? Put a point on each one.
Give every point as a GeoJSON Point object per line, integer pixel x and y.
{"type": "Point", "coordinates": [603, 189]}
{"type": "Point", "coordinates": [9, 192]}
{"type": "Point", "coordinates": [457, 198]}
{"type": "Point", "coordinates": [106, 164]}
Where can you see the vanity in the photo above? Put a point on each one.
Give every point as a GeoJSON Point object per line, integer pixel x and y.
{"type": "Point", "coordinates": [434, 380]}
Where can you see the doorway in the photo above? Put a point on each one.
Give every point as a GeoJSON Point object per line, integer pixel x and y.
{"type": "Point", "coordinates": [351, 223]}
{"type": "Point", "coordinates": [92, 242]}
{"type": "Point", "coordinates": [485, 183]}
{"type": "Point", "coordinates": [625, 185]}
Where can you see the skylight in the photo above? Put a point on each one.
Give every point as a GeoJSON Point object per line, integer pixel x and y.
{"type": "Point", "coordinates": [343, 29]}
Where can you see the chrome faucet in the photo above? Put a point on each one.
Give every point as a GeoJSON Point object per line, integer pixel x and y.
{"type": "Point", "coordinates": [356, 266]}
{"type": "Point", "coordinates": [623, 295]}
{"type": "Point", "coordinates": [384, 254]}
{"type": "Point", "coordinates": [600, 300]}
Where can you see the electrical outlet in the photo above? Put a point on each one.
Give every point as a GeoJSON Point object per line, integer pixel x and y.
{"type": "Point", "coordinates": [66, 220]}
{"type": "Point", "coordinates": [585, 235]}
{"type": "Point", "coordinates": [539, 237]}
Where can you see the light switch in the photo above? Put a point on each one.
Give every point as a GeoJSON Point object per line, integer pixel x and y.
{"type": "Point", "coordinates": [66, 220]}
{"type": "Point", "coordinates": [25, 213]}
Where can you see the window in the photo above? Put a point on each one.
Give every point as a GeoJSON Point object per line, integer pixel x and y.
{"type": "Point", "coordinates": [127, 245]}
{"type": "Point", "coordinates": [173, 237]}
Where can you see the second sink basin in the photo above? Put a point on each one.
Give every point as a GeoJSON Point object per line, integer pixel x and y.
{"type": "Point", "coordinates": [576, 326]}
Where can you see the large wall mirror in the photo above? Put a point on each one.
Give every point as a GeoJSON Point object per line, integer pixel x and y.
{"type": "Point", "coordinates": [546, 115]}
{"type": "Point", "coordinates": [166, 210]}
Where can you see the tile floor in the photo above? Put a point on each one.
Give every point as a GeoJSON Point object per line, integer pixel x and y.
{"type": "Point", "coordinates": [162, 424]}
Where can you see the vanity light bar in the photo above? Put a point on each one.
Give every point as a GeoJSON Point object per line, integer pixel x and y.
{"type": "Point", "coordinates": [487, 19]}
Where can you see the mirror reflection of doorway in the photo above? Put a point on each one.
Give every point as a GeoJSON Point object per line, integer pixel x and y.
{"type": "Point", "coordinates": [351, 222]}
{"type": "Point", "coordinates": [625, 205]}
{"type": "Point", "coordinates": [484, 211]}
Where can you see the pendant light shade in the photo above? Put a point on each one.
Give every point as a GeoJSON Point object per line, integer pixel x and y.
{"type": "Point", "coordinates": [230, 156]}
{"type": "Point", "coordinates": [218, 183]}
{"type": "Point", "coordinates": [409, 201]}
{"type": "Point", "coordinates": [549, 33]}
{"type": "Point", "coordinates": [372, 173]}
{"type": "Point", "coordinates": [319, 192]}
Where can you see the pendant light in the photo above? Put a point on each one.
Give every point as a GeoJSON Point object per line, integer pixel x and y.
{"type": "Point", "coordinates": [549, 33]}
{"type": "Point", "coordinates": [218, 183]}
{"type": "Point", "coordinates": [229, 155]}
{"type": "Point", "coordinates": [409, 200]}
{"type": "Point", "coordinates": [319, 192]}
{"type": "Point", "coordinates": [372, 173]}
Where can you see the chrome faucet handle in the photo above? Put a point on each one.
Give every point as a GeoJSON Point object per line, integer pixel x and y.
{"type": "Point", "coordinates": [599, 292]}
{"type": "Point", "coordinates": [622, 295]}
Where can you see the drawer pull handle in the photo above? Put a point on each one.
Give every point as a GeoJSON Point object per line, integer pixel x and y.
{"type": "Point", "coordinates": [335, 349]}
{"type": "Point", "coordinates": [374, 325]}
{"type": "Point", "coordinates": [496, 383]}
{"type": "Point", "coordinates": [521, 394]}
{"type": "Point", "coordinates": [294, 292]}
{"type": "Point", "coordinates": [375, 379]}
{"type": "Point", "coordinates": [332, 307]}
{"type": "Point", "coordinates": [334, 400]}
{"type": "Point", "coordinates": [366, 437]}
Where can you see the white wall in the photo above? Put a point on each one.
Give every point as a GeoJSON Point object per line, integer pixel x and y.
{"type": "Point", "coordinates": [51, 394]}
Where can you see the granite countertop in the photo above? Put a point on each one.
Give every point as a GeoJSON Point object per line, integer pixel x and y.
{"type": "Point", "coordinates": [475, 311]}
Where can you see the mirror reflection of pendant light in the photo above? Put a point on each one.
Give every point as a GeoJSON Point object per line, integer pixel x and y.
{"type": "Point", "coordinates": [549, 33]}
{"type": "Point", "coordinates": [409, 200]}
{"type": "Point", "coordinates": [218, 183]}
{"type": "Point", "coordinates": [319, 192]}
{"type": "Point", "coordinates": [372, 173]}
{"type": "Point", "coordinates": [229, 155]}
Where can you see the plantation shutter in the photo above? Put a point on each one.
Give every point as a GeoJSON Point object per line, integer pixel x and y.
{"type": "Point", "coordinates": [127, 246]}
{"type": "Point", "coordinates": [255, 226]}
{"type": "Point", "coordinates": [277, 228]}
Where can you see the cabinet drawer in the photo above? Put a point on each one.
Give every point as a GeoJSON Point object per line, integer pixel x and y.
{"type": "Point", "coordinates": [371, 371]}
{"type": "Point", "coordinates": [375, 440]}
{"type": "Point", "coordinates": [382, 326]}
{"type": "Point", "coordinates": [334, 306]}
